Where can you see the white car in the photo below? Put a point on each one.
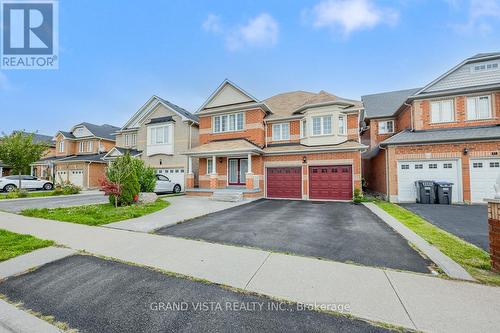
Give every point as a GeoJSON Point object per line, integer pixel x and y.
{"type": "Point", "coordinates": [163, 184]}
{"type": "Point", "coordinates": [10, 183]}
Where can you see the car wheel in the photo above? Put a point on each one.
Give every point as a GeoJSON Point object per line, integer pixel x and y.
{"type": "Point", "coordinates": [177, 188]}
{"type": "Point", "coordinates": [9, 188]}
{"type": "Point", "coordinates": [48, 186]}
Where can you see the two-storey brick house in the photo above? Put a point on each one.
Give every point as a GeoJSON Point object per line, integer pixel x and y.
{"type": "Point", "coordinates": [448, 130]}
{"type": "Point", "coordinates": [296, 145]}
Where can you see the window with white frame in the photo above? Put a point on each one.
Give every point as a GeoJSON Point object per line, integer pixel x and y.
{"type": "Point", "coordinates": [303, 128]}
{"type": "Point", "coordinates": [127, 140]}
{"type": "Point", "coordinates": [209, 166]}
{"type": "Point", "coordinates": [228, 122]}
{"type": "Point", "coordinates": [281, 132]}
{"type": "Point", "coordinates": [322, 125]}
{"type": "Point", "coordinates": [85, 146]}
{"type": "Point", "coordinates": [442, 111]}
{"type": "Point", "coordinates": [386, 126]}
{"type": "Point", "coordinates": [130, 139]}
{"type": "Point", "coordinates": [90, 146]}
{"type": "Point", "coordinates": [134, 139]}
{"type": "Point", "coordinates": [342, 125]}
{"type": "Point", "coordinates": [160, 135]}
{"type": "Point", "coordinates": [61, 146]}
{"type": "Point", "coordinates": [478, 107]}
{"type": "Point", "coordinates": [82, 146]}
{"type": "Point", "coordinates": [485, 67]}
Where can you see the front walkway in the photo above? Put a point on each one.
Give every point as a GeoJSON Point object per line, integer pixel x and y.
{"type": "Point", "coordinates": [405, 299]}
{"type": "Point", "coordinates": [182, 208]}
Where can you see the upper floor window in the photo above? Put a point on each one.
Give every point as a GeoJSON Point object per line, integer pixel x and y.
{"type": "Point", "coordinates": [322, 125]}
{"type": "Point", "coordinates": [160, 135]}
{"type": "Point", "coordinates": [61, 146]}
{"type": "Point", "coordinates": [385, 127]}
{"type": "Point", "coordinates": [342, 125]}
{"type": "Point", "coordinates": [303, 128]}
{"type": "Point", "coordinates": [228, 123]}
{"type": "Point", "coordinates": [442, 111]}
{"type": "Point", "coordinates": [130, 139]}
{"type": "Point", "coordinates": [85, 146]}
{"type": "Point", "coordinates": [281, 131]}
{"type": "Point", "coordinates": [478, 107]}
{"type": "Point", "coordinates": [485, 67]}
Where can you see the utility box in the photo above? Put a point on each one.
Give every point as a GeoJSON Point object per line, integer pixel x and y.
{"type": "Point", "coordinates": [444, 190]}
{"type": "Point", "coordinates": [426, 194]}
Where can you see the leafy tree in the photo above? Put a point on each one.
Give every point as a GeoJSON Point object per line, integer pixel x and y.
{"type": "Point", "coordinates": [19, 151]}
{"type": "Point", "coordinates": [122, 174]}
{"type": "Point", "coordinates": [145, 175]}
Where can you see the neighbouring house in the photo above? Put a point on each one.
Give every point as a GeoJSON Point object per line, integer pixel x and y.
{"type": "Point", "coordinates": [295, 145]}
{"type": "Point", "coordinates": [78, 155]}
{"type": "Point", "coordinates": [448, 130]}
{"type": "Point", "coordinates": [158, 133]}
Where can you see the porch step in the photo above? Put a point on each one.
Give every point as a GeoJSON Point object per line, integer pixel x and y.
{"type": "Point", "coordinates": [231, 196]}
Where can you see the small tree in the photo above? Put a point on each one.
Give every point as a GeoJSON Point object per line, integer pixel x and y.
{"type": "Point", "coordinates": [122, 173]}
{"type": "Point", "coordinates": [145, 175]}
{"type": "Point", "coordinates": [19, 151]}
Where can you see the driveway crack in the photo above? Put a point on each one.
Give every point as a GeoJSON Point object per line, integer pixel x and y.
{"type": "Point", "coordinates": [258, 269]}
{"type": "Point", "coordinates": [400, 300]}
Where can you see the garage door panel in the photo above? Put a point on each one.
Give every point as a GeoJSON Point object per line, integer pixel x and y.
{"type": "Point", "coordinates": [284, 182]}
{"type": "Point", "coordinates": [176, 175]}
{"type": "Point", "coordinates": [483, 175]}
{"type": "Point", "coordinates": [330, 182]}
{"type": "Point", "coordinates": [76, 177]}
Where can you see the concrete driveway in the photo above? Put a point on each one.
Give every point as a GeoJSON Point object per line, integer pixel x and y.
{"type": "Point", "coordinates": [16, 205]}
{"type": "Point", "coordinates": [469, 222]}
{"type": "Point", "coordinates": [338, 231]}
{"type": "Point", "coordinates": [95, 295]}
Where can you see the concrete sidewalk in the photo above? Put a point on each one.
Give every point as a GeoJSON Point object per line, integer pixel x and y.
{"type": "Point", "coordinates": [182, 208]}
{"type": "Point", "coordinates": [409, 300]}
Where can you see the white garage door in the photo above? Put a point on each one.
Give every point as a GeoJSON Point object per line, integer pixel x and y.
{"type": "Point", "coordinates": [175, 175]}
{"type": "Point", "coordinates": [61, 176]}
{"type": "Point", "coordinates": [483, 175]}
{"type": "Point", "coordinates": [76, 177]}
{"type": "Point", "coordinates": [411, 171]}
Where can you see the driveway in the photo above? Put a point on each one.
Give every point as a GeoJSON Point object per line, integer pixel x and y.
{"type": "Point", "coordinates": [96, 295]}
{"type": "Point", "coordinates": [469, 222]}
{"type": "Point", "coordinates": [16, 205]}
{"type": "Point", "coordinates": [338, 231]}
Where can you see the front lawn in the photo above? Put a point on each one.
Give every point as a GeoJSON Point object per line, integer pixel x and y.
{"type": "Point", "coordinates": [13, 245]}
{"type": "Point", "coordinates": [95, 214]}
{"type": "Point", "coordinates": [475, 260]}
{"type": "Point", "coordinates": [31, 195]}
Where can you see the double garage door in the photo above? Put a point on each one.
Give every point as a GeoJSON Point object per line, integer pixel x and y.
{"type": "Point", "coordinates": [325, 182]}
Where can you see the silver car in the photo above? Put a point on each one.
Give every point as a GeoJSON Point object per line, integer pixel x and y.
{"type": "Point", "coordinates": [163, 184]}
{"type": "Point", "coordinates": [10, 183]}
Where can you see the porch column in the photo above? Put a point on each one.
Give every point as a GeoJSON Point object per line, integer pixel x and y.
{"type": "Point", "coordinates": [31, 170]}
{"type": "Point", "coordinates": [249, 163]}
{"type": "Point", "coordinates": [190, 175]}
{"type": "Point", "coordinates": [249, 176]}
{"type": "Point", "coordinates": [213, 173]}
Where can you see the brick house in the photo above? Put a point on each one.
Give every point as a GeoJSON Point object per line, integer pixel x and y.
{"type": "Point", "coordinates": [448, 130]}
{"type": "Point", "coordinates": [78, 155]}
{"type": "Point", "coordinates": [297, 145]}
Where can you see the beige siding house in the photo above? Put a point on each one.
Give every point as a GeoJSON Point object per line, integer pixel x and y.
{"type": "Point", "coordinates": [158, 133]}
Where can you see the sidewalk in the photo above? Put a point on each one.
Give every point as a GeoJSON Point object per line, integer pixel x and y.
{"type": "Point", "coordinates": [182, 208]}
{"type": "Point", "coordinates": [410, 300]}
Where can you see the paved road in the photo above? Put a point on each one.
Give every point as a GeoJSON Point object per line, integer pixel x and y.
{"type": "Point", "coordinates": [15, 206]}
{"type": "Point", "coordinates": [95, 295]}
{"type": "Point", "coordinates": [334, 230]}
{"type": "Point", "coordinates": [469, 222]}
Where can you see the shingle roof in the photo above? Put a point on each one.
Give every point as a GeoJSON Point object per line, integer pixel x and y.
{"type": "Point", "coordinates": [160, 120]}
{"type": "Point", "coordinates": [233, 145]}
{"type": "Point", "coordinates": [180, 110]}
{"type": "Point", "coordinates": [84, 158]}
{"type": "Point", "coordinates": [482, 55]}
{"type": "Point", "coordinates": [444, 135]}
{"type": "Point", "coordinates": [385, 104]}
{"type": "Point", "coordinates": [67, 134]}
{"type": "Point", "coordinates": [347, 145]}
{"type": "Point", "coordinates": [105, 131]}
{"type": "Point", "coordinates": [132, 152]}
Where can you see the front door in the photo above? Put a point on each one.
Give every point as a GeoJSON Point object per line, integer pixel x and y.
{"type": "Point", "coordinates": [237, 169]}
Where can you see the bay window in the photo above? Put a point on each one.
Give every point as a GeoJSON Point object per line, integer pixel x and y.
{"type": "Point", "coordinates": [160, 135]}
{"type": "Point", "coordinates": [478, 107]}
{"type": "Point", "coordinates": [281, 132]}
{"type": "Point", "coordinates": [342, 125]}
{"type": "Point", "coordinates": [322, 125]}
{"type": "Point", "coordinates": [303, 128]}
{"type": "Point", "coordinates": [228, 123]}
{"type": "Point", "coordinates": [442, 111]}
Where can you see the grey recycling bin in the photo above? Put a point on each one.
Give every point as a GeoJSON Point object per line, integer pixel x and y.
{"type": "Point", "coordinates": [426, 194]}
{"type": "Point", "coordinates": [444, 191]}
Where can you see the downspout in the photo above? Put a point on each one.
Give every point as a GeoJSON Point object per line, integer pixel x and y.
{"type": "Point", "coordinates": [88, 174]}
{"type": "Point", "coordinates": [265, 133]}
{"type": "Point", "coordinates": [411, 115]}
{"type": "Point", "coordinates": [386, 172]}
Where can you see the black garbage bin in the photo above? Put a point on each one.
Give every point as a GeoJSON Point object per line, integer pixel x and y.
{"type": "Point", "coordinates": [426, 194]}
{"type": "Point", "coordinates": [443, 192]}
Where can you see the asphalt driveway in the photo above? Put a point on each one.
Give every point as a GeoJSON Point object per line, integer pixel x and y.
{"type": "Point", "coordinates": [469, 222]}
{"type": "Point", "coordinates": [17, 205]}
{"type": "Point", "coordinates": [96, 295]}
{"type": "Point", "coordinates": [334, 230]}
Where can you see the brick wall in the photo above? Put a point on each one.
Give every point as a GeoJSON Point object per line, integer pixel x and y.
{"type": "Point", "coordinates": [294, 132]}
{"type": "Point", "coordinates": [374, 173]}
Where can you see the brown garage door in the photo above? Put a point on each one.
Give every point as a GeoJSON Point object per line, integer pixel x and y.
{"type": "Point", "coordinates": [330, 182]}
{"type": "Point", "coordinates": [284, 182]}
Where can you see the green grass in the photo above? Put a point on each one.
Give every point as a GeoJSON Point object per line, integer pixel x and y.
{"type": "Point", "coordinates": [475, 260]}
{"type": "Point", "coordinates": [13, 245]}
{"type": "Point", "coordinates": [3, 196]}
{"type": "Point", "coordinates": [95, 214]}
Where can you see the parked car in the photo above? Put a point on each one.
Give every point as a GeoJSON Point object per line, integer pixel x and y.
{"type": "Point", "coordinates": [10, 183]}
{"type": "Point", "coordinates": [163, 184]}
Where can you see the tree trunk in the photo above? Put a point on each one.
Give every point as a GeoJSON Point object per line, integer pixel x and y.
{"type": "Point", "coordinates": [19, 187]}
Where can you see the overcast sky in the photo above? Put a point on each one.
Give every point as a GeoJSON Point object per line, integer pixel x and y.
{"type": "Point", "coordinates": [115, 54]}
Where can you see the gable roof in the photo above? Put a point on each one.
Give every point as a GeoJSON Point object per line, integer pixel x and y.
{"type": "Point", "coordinates": [151, 104]}
{"type": "Point", "coordinates": [118, 151]}
{"type": "Point", "coordinates": [386, 104]}
{"type": "Point", "coordinates": [244, 97]}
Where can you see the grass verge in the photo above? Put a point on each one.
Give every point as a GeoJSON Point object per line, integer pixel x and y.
{"type": "Point", "coordinates": [13, 245]}
{"type": "Point", "coordinates": [95, 214]}
{"type": "Point", "coordinates": [3, 196]}
{"type": "Point", "coordinates": [475, 260]}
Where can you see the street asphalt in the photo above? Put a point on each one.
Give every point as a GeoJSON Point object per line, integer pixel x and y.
{"type": "Point", "coordinates": [17, 205]}
{"type": "Point", "coordinates": [334, 230]}
{"type": "Point", "coordinates": [469, 222]}
{"type": "Point", "coordinates": [96, 295]}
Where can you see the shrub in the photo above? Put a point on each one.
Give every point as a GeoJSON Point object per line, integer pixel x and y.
{"type": "Point", "coordinates": [122, 174]}
{"type": "Point", "coordinates": [357, 196]}
{"type": "Point", "coordinates": [66, 189]}
{"type": "Point", "coordinates": [145, 175]}
{"type": "Point", "coordinates": [17, 193]}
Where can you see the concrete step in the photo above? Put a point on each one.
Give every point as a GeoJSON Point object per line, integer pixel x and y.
{"type": "Point", "coordinates": [230, 196]}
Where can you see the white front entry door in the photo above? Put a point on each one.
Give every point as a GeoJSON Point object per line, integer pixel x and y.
{"type": "Point", "coordinates": [483, 175]}
{"type": "Point", "coordinates": [76, 177]}
{"type": "Point", "coordinates": [411, 171]}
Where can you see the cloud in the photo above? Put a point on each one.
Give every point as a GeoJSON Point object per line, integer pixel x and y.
{"type": "Point", "coordinates": [480, 16]}
{"type": "Point", "coordinates": [350, 15]}
{"type": "Point", "coordinates": [259, 31]}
